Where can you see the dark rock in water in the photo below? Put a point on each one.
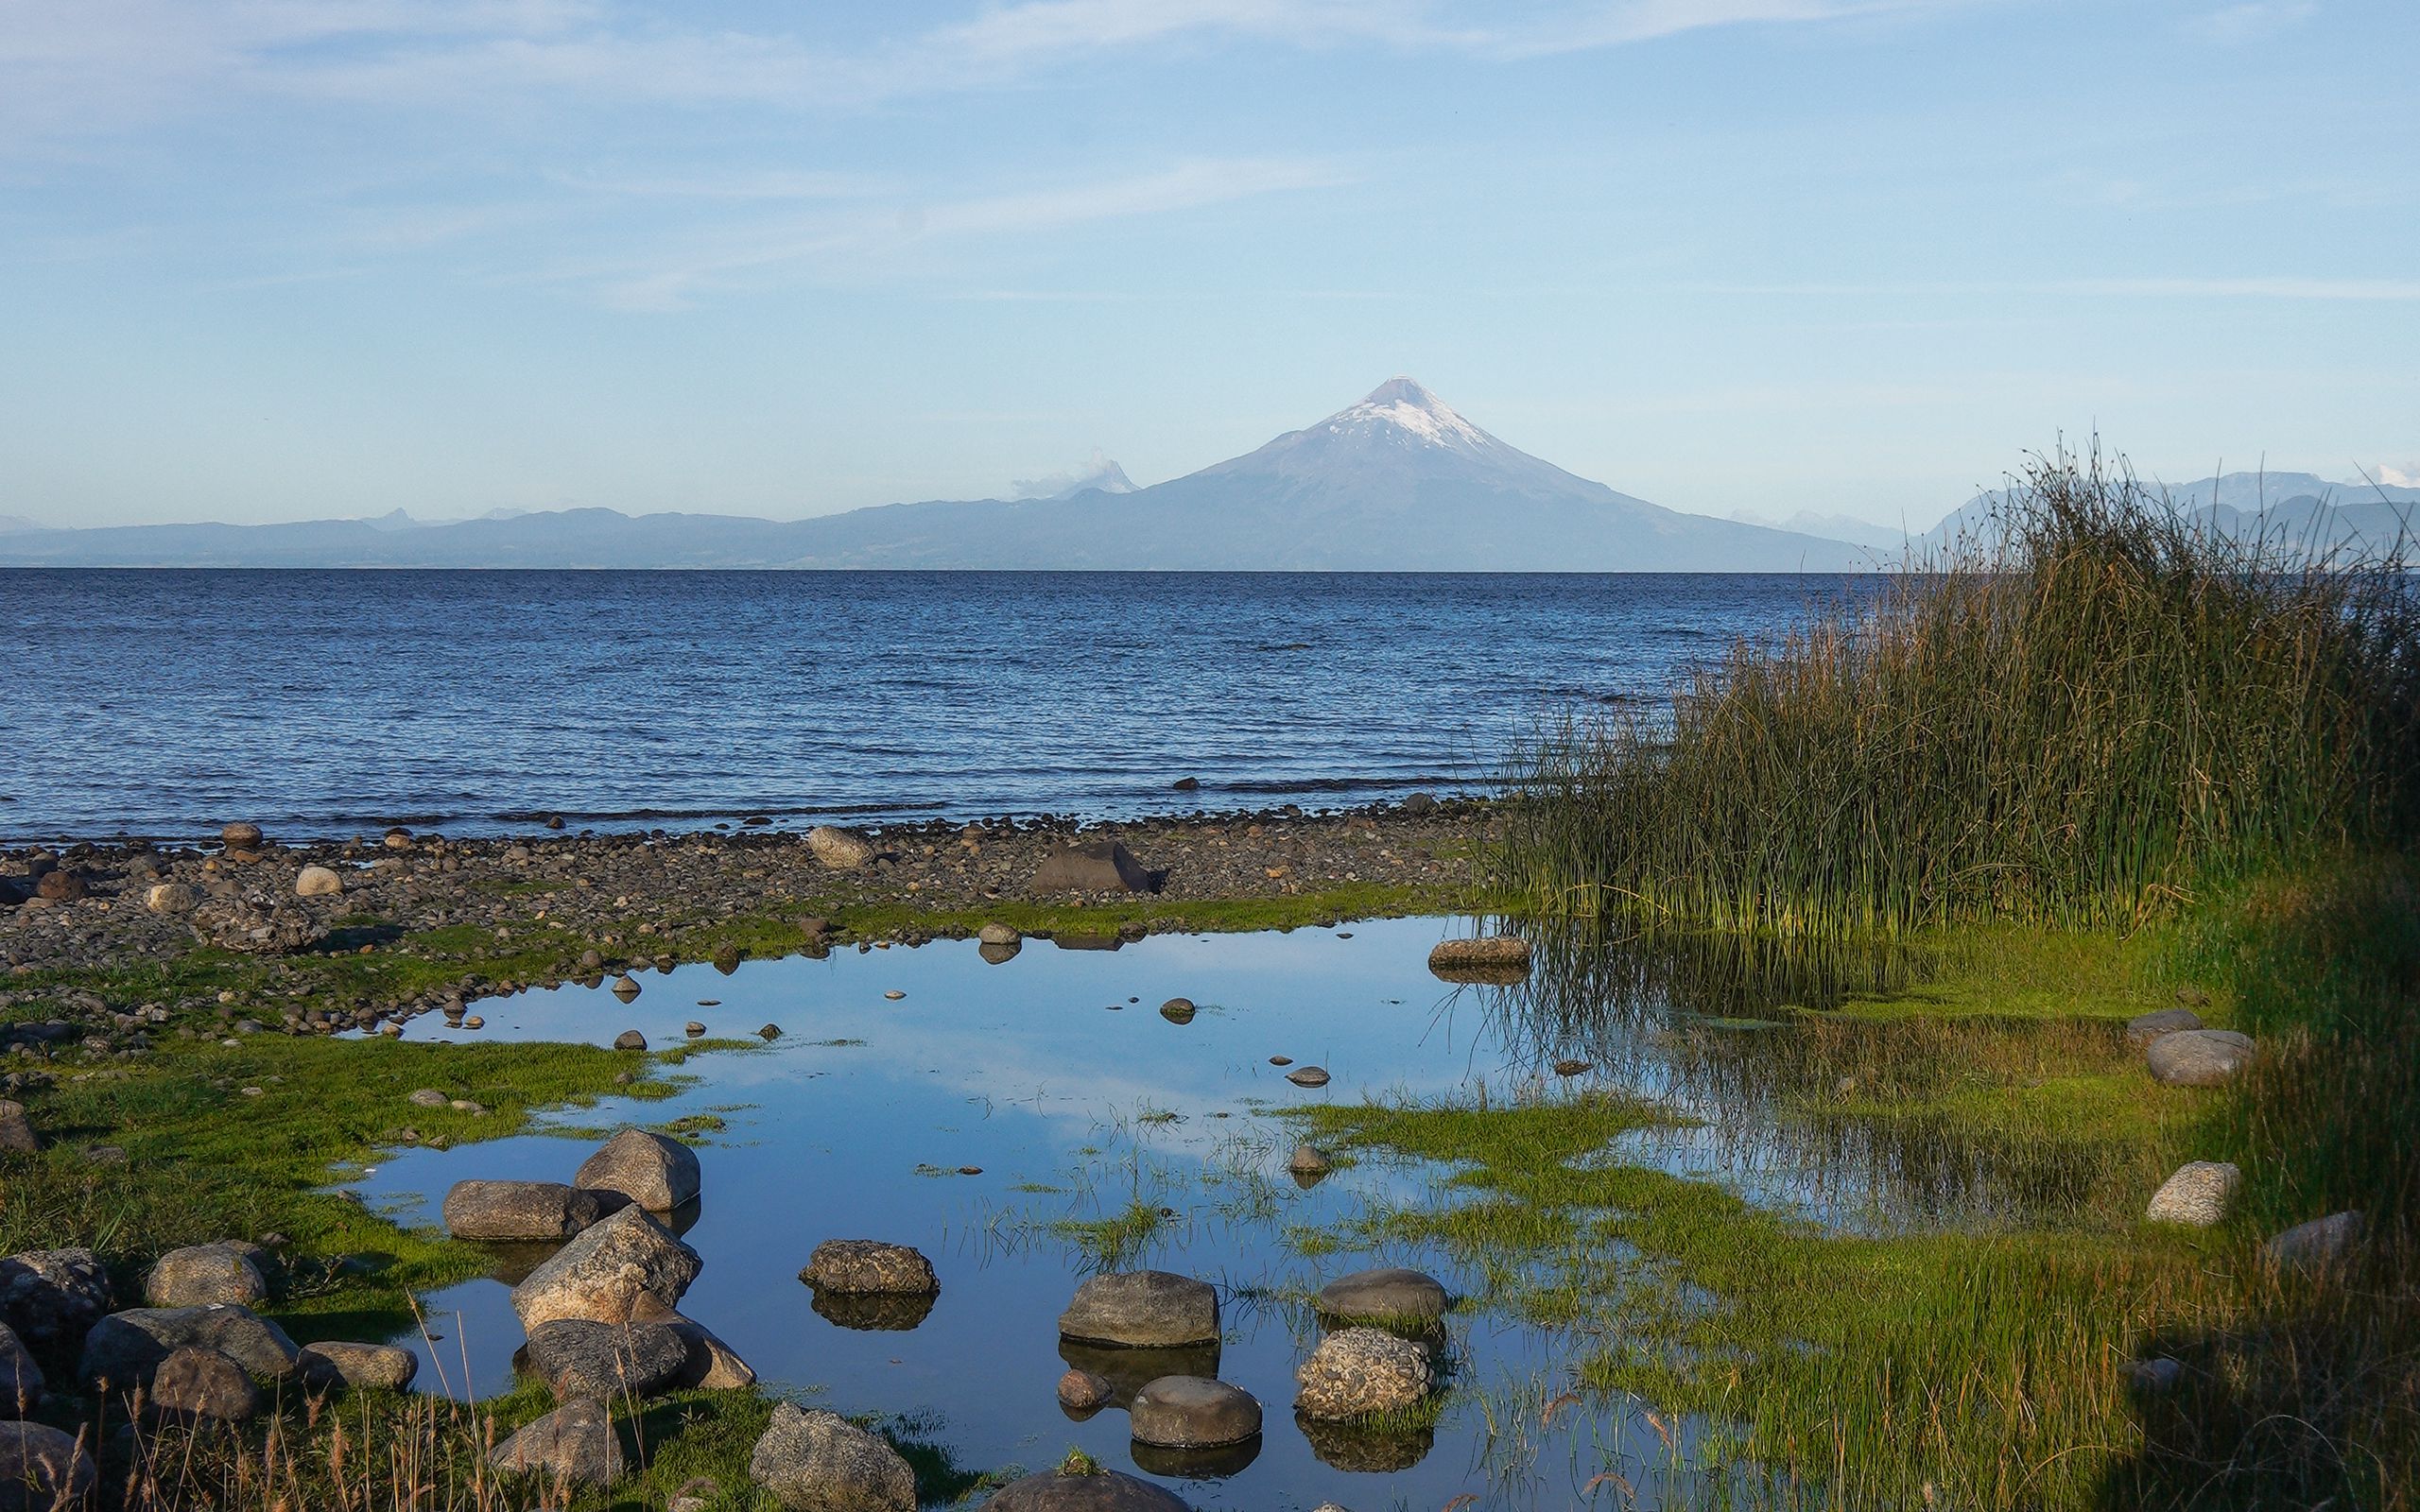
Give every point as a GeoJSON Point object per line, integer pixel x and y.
{"type": "Point", "coordinates": [875, 1311]}
{"type": "Point", "coordinates": [2144, 1028]}
{"type": "Point", "coordinates": [629, 1039]}
{"type": "Point", "coordinates": [1079, 1391]}
{"type": "Point", "coordinates": [770, 1031]}
{"type": "Point", "coordinates": [1097, 1490]}
{"type": "Point", "coordinates": [41, 1467]}
{"type": "Point", "coordinates": [1193, 1412]}
{"type": "Point", "coordinates": [196, 1384]}
{"type": "Point", "coordinates": [51, 1297]}
{"type": "Point", "coordinates": [1213, 1461]}
{"type": "Point", "coordinates": [821, 1461]}
{"type": "Point", "coordinates": [868, 1266]}
{"type": "Point", "coordinates": [999, 954]}
{"type": "Point", "coordinates": [607, 1361]}
{"type": "Point", "coordinates": [1129, 1370]}
{"type": "Point", "coordinates": [1088, 943]}
{"type": "Point", "coordinates": [1492, 956]}
{"type": "Point", "coordinates": [1366, 1448]}
{"type": "Point", "coordinates": [656, 1172]}
{"type": "Point", "coordinates": [1308, 1075]}
{"type": "Point", "coordinates": [371, 1366]}
{"type": "Point", "coordinates": [125, 1348]}
{"type": "Point", "coordinates": [523, 1211]}
{"type": "Point", "coordinates": [1573, 1068]}
{"type": "Point", "coordinates": [1098, 866]}
{"type": "Point", "coordinates": [622, 1267]}
{"type": "Point", "coordinates": [1148, 1308]}
{"type": "Point", "coordinates": [21, 1378]}
{"type": "Point", "coordinates": [726, 959]}
{"type": "Point", "coordinates": [2199, 1057]}
{"type": "Point", "coordinates": [574, 1443]}
{"type": "Point", "coordinates": [1187, 784]}
{"type": "Point", "coordinates": [693, 1029]}
{"type": "Point", "coordinates": [1178, 1011]}
{"type": "Point", "coordinates": [1390, 1295]}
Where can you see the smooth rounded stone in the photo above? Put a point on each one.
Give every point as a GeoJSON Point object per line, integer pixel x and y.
{"type": "Point", "coordinates": [875, 1311]}
{"type": "Point", "coordinates": [1192, 1412]}
{"type": "Point", "coordinates": [693, 1028]}
{"type": "Point", "coordinates": [629, 1039]}
{"type": "Point", "coordinates": [363, 1366]}
{"type": "Point", "coordinates": [821, 1461]}
{"type": "Point", "coordinates": [1390, 1295]}
{"type": "Point", "coordinates": [21, 1379]}
{"type": "Point", "coordinates": [608, 1361]}
{"type": "Point", "coordinates": [656, 1172]}
{"type": "Point", "coordinates": [999, 933]}
{"type": "Point", "coordinates": [196, 1384]}
{"type": "Point", "coordinates": [2144, 1028]}
{"type": "Point", "coordinates": [240, 835]}
{"type": "Point", "coordinates": [41, 1467]}
{"type": "Point", "coordinates": [1308, 1075]}
{"type": "Point", "coordinates": [610, 1271]}
{"type": "Point", "coordinates": [999, 954]}
{"type": "Point", "coordinates": [1098, 866]}
{"type": "Point", "coordinates": [2199, 1057]}
{"type": "Point", "coordinates": [2198, 1194]}
{"type": "Point", "coordinates": [318, 881]}
{"type": "Point", "coordinates": [17, 1136]}
{"type": "Point", "coordinates": [839, 850]}
{"type": "Point", "coordinates": [1084, 1391]}
{"type": "Point", "coordinates": [1100, 1490]}
{"type": "Point", "coordinates": [1357, 1372]}
{"type": "Point", "coordinates": [172, 897]}
{"type": "Point", "coordinates": [125, 1348]}
{"type": "Point", "coordinates": [575, 1443]}
{"type": "Point", "coordinates": [1129, 1370]}
{"type": "Point", "coordinates": [2316, 1244]}
{"type": "Point", "coordinates": [1366, 1447]}
{"type": "Point", "coordinates": [1148, 1308]}
{"type": "Point", "coordinates": [1488, 953]}
{"type": "Point", "coordinates": [1178, 1011]}
{"type": "Point", "coordinates": [862, 1265]}
{"type": "Point", "coordinates": [51, 1297]}
{"type": "Point", "coordinates": [201, 1274]}
{"type": "Point", "coordinates": [769, 1032]}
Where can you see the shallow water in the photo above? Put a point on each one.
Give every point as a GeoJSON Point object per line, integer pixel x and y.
{"type": "Point", "coordinates": [1056, 1078]}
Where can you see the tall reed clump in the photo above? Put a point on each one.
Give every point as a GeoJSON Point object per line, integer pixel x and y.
{"type": "Point", "coordinates": [2078, 713]}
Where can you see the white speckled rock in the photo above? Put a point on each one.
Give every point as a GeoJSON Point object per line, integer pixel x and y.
{"type": "Point", "coordinates": [2198, 1194]}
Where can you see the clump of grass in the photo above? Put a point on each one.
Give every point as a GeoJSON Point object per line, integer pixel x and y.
{"type": "Point", "coordinates": [2107, 709]}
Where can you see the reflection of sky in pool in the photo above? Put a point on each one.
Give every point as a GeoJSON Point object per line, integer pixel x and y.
{"type": "Point", "coordinates": [1040, 1072]}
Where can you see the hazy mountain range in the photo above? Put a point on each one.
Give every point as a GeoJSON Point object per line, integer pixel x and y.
{"type": "Point", "coordinates": [2300, 511]}
{"type": "Point", "coordinates": [1399, 482]}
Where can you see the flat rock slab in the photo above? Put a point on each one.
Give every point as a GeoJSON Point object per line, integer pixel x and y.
{"type": "Point", "coordinates": [1142, 1308]}
{"type": "Point", "coordinates": [657, 1173]}
{"type": "Point", "coordinates": [2198, 1194]}
{"type": "Point", "coordinates": [2144, 1028]}
{"type": "Point", "coordinates": [1390, 1294]}
{"type": "Point", "coordinates": [523, 1211]}
{"type": "Point", "coordinates": [821, 1461]}
{"type": "Point", "coordinates": [870, 1266]}
{"type": "Point", "coordinates": [1099, 866]}
{"type": "Point", "coordinates": [1101, 1491]}
{"type": "Point", "coordinates": [2199, 1057]}
{"type": "Point", "coordinates": [1193, 1412]}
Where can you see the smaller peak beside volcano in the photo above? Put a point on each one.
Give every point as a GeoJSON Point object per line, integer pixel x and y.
{"type": "Point", "coordinates": [1101, 474]}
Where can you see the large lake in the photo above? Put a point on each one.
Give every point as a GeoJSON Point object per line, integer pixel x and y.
{"type": "Point", "coordinates": [325, 703]}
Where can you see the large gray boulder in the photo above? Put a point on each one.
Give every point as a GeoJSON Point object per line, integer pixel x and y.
{"type": "Point", "coordinates": [517, 1211]}
{"type": "Point", "coordinates": [611, 1271]}
{"type": "Point", "coordinates": [2316, 1244]}
{"type": "Point", "coordinates": [1096, 1490]}
{"type": "Point", "coordinates": [41, 1468]}
{"type": "Point", "coordinates": [1357, 1372]}
{"type": "Point", "coordinates": [869, 1266]}
{"type": "Point", "coordinates": [657, 1173]}
{"type": "Point", "coordinates": [1098, 866]}
{"type": "Point", "coordinates": [1193, 1412]}
{"type": "Point", "coordinates": [612, 1362]}
{"type": "Point", "coordinates": [126, 1349]}
{"type": "Point", "coordinates": [198, 1275]}
{"type": "Point", "coordinates": [2199, 1057]}
{"type": "Point", "coordinates": [363, 1366]}
{"type": "Point", "coordinates": [1142, 1308]}
{"type": "Point", "coordinates": [50, 1297]}
{"type": "Point", "coordinates": [821, 1461]}
{"type": "Point", "coordinates": [1390, 1294]}
{"type": "Point", "coordinates": [195, 1385]}
{"type": "Point", "coordinates": [21, 1378]}
{"type": "Point", "coordinates": [2145, 1028]}
{"type": "Point", "coordinates": [574, 1445]}
{"type": "Point", "coordinates": [2197, 1194]}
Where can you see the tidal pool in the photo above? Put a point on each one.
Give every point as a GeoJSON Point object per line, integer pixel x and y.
{"type": "Point", "coordinates": [987, 1112]}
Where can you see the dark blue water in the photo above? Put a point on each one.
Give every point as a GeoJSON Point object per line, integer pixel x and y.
{"type": "Point", "coordinates": [166, 702]}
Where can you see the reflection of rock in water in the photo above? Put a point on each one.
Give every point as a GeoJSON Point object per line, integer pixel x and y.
{"type": "Point", "coordinates": [1088, 943]}
{"type": "Point", "coordinates": [875, 1311]}
{"type": "Point", "coordinates": [1308, 1178]}
{"type": "Point", "coordinates": [683, 1218]}
{"type": "Point", "coordinates": [1481, 975]}
{"type": "Point", "coordinates": [1196, 1463]}
{"type": "Point", "coordinates": [1129, 1371]}
{"type": "Point", "coordinates": [999, 951]}
{"type": "Point", "coordinates": [1368, 1448]}
{"type": "Point", "coordinates": [512, 1262]}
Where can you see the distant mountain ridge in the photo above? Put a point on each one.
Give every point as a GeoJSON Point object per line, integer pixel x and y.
{"type": "Point", "coordinates": [1399, 482]}
{"type": "Point", "coordinates": [2300, 511]}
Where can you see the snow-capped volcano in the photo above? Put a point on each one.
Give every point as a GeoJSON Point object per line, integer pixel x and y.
{"type": "Point", "coordinates": [1401, 412]}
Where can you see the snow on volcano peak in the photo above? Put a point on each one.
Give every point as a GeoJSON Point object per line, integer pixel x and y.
{"type": "Point", "coordinates": [1402, 404]}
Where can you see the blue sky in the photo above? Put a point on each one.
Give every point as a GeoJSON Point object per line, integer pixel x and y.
{"type": "Point", "coordinates": [282, 259]}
